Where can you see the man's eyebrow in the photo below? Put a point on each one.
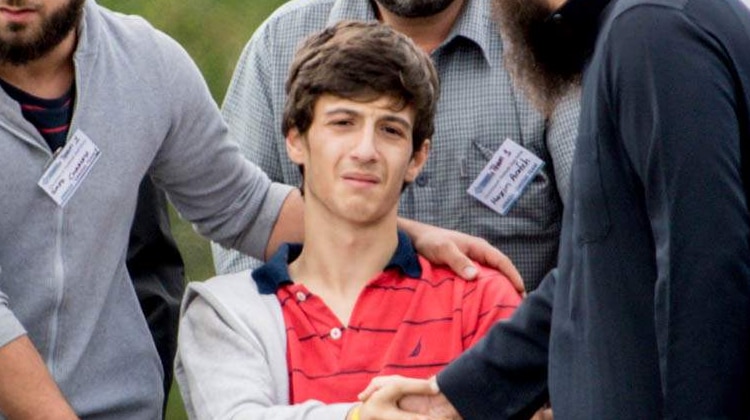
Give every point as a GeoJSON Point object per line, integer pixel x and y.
{"type": "Point", "coordinates": [399, 120]}
{"type": "Point", "coordinates": [348, 111]}
{"type": "Point", "coordinates": [341, 111]}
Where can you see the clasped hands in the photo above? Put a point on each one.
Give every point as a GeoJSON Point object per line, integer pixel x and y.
{"type": "Point", "coordinates": [401, 398]}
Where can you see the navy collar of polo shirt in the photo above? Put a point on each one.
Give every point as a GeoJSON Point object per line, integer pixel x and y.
{"type": "Point", "coordinates": [578, 21]}
{"type": "Point", "coordinates": [274, 273]}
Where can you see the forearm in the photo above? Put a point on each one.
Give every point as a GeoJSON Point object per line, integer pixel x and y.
{"type": "Point", "coordinates": [505, 374]}
{"type": "Point", "coordinates": [27, 390]}
{"type": "Point", "coordinates": [289, 226]}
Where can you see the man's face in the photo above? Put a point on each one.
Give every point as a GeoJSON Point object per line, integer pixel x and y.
{"type": "Point", "coordinates": [415, 8]}
{"type": "Point", "coordinates": [545, 62]}
{"type": "Point", "coordinates": [357, 157]}
{"type": "Point", "coordinates": [31, 28]}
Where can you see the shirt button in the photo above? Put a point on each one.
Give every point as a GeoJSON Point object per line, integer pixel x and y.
{"type": "Point", "coordinates": [422, 180]}
{"type": "Point", "coordinates": [335, 333]}
{"type": "Point", "coordinates": [301, 296]}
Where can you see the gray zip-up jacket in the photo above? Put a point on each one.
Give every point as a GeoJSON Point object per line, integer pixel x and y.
{"type": "Point", "coordinates": [144, 104]}
{"type": "Point", "coordinates": [251, 343]}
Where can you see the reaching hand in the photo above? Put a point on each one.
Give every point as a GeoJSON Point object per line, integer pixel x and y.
{"type": "Point", "coordinates": [457, 250]}
{"type": "Point", "coordinates": [412, 396]}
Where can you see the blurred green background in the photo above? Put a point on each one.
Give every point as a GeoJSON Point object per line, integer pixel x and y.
{"type": "Point", "coordinates": [213, 32]}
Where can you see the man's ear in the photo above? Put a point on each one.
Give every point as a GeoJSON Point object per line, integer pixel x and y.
{"type": "Point", "coordinates": [418, 159]}
{"type": "Point", "coordinates": [295, 146]}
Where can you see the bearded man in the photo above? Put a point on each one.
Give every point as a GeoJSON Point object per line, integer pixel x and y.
{"type": "Point", "coordinates": [648, 313]}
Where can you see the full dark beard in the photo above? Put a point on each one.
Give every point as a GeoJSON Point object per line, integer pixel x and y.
{"type": "Point", "coordinates": [415, 8]}
{"type": "Point", "coordinates": [544, 59]}
{"type": "Point", "coordinates": [53, 32]}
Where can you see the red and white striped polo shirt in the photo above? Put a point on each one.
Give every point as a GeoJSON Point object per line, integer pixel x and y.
{"type": "Point", "coordinates": [411, 320]}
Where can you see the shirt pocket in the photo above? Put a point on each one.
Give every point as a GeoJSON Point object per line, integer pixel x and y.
{"type": "Point", "coordinates": [591, 220]}
{"type": "Point", "coordinates": [534, 216]}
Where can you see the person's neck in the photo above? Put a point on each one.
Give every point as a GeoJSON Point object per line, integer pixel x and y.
{"type": "Point", "coordinates": [47, 77]}
{"type": "Point", "coordinates": [339, 258]}
{"type": "Point", "coordinates": [429, 32]}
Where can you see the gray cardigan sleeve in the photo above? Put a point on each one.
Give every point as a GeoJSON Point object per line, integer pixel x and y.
{"type": "Point", "coordinates": [253, 118]}
{"type": "Point", "coordinates": [228, 199]}
{"type": "Point", "coordinates": [231, 356]}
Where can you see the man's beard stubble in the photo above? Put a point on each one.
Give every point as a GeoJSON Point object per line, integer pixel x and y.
{"type": "Point", "coordinates": [545, 60]}
{"type": "Point", "coordinates": [415, 8]}
{"type": "Point", "coordinates": [53, 31]}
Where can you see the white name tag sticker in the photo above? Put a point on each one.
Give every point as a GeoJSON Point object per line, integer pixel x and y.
{"type": "Point", "coordinates": [505, 177]}
{"type": "Point", "coordinates": [69, 168]}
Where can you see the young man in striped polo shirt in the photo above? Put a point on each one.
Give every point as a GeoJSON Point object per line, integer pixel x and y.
{"type": "Point", "coordinates": [304, 334]}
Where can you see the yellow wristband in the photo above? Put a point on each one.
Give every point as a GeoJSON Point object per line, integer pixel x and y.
{"type": "Point", "coordinates": [355, 412]}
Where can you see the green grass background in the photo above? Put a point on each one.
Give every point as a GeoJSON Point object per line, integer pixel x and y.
{"type": "Point", "coordinates": [213, 32]}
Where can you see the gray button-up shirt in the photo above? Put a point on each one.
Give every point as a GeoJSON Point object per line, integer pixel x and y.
{"type": "Point", "coordinates": [479, 108]}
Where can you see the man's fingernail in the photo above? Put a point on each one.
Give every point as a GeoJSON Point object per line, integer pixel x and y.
{"type": "Point", "coordinates": [434, 385]}
{"type": "Point", "coordinates": [470, 271]}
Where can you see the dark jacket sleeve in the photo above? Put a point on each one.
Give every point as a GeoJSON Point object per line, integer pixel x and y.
{"type": "Point", "coordinates": [504, 375]}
